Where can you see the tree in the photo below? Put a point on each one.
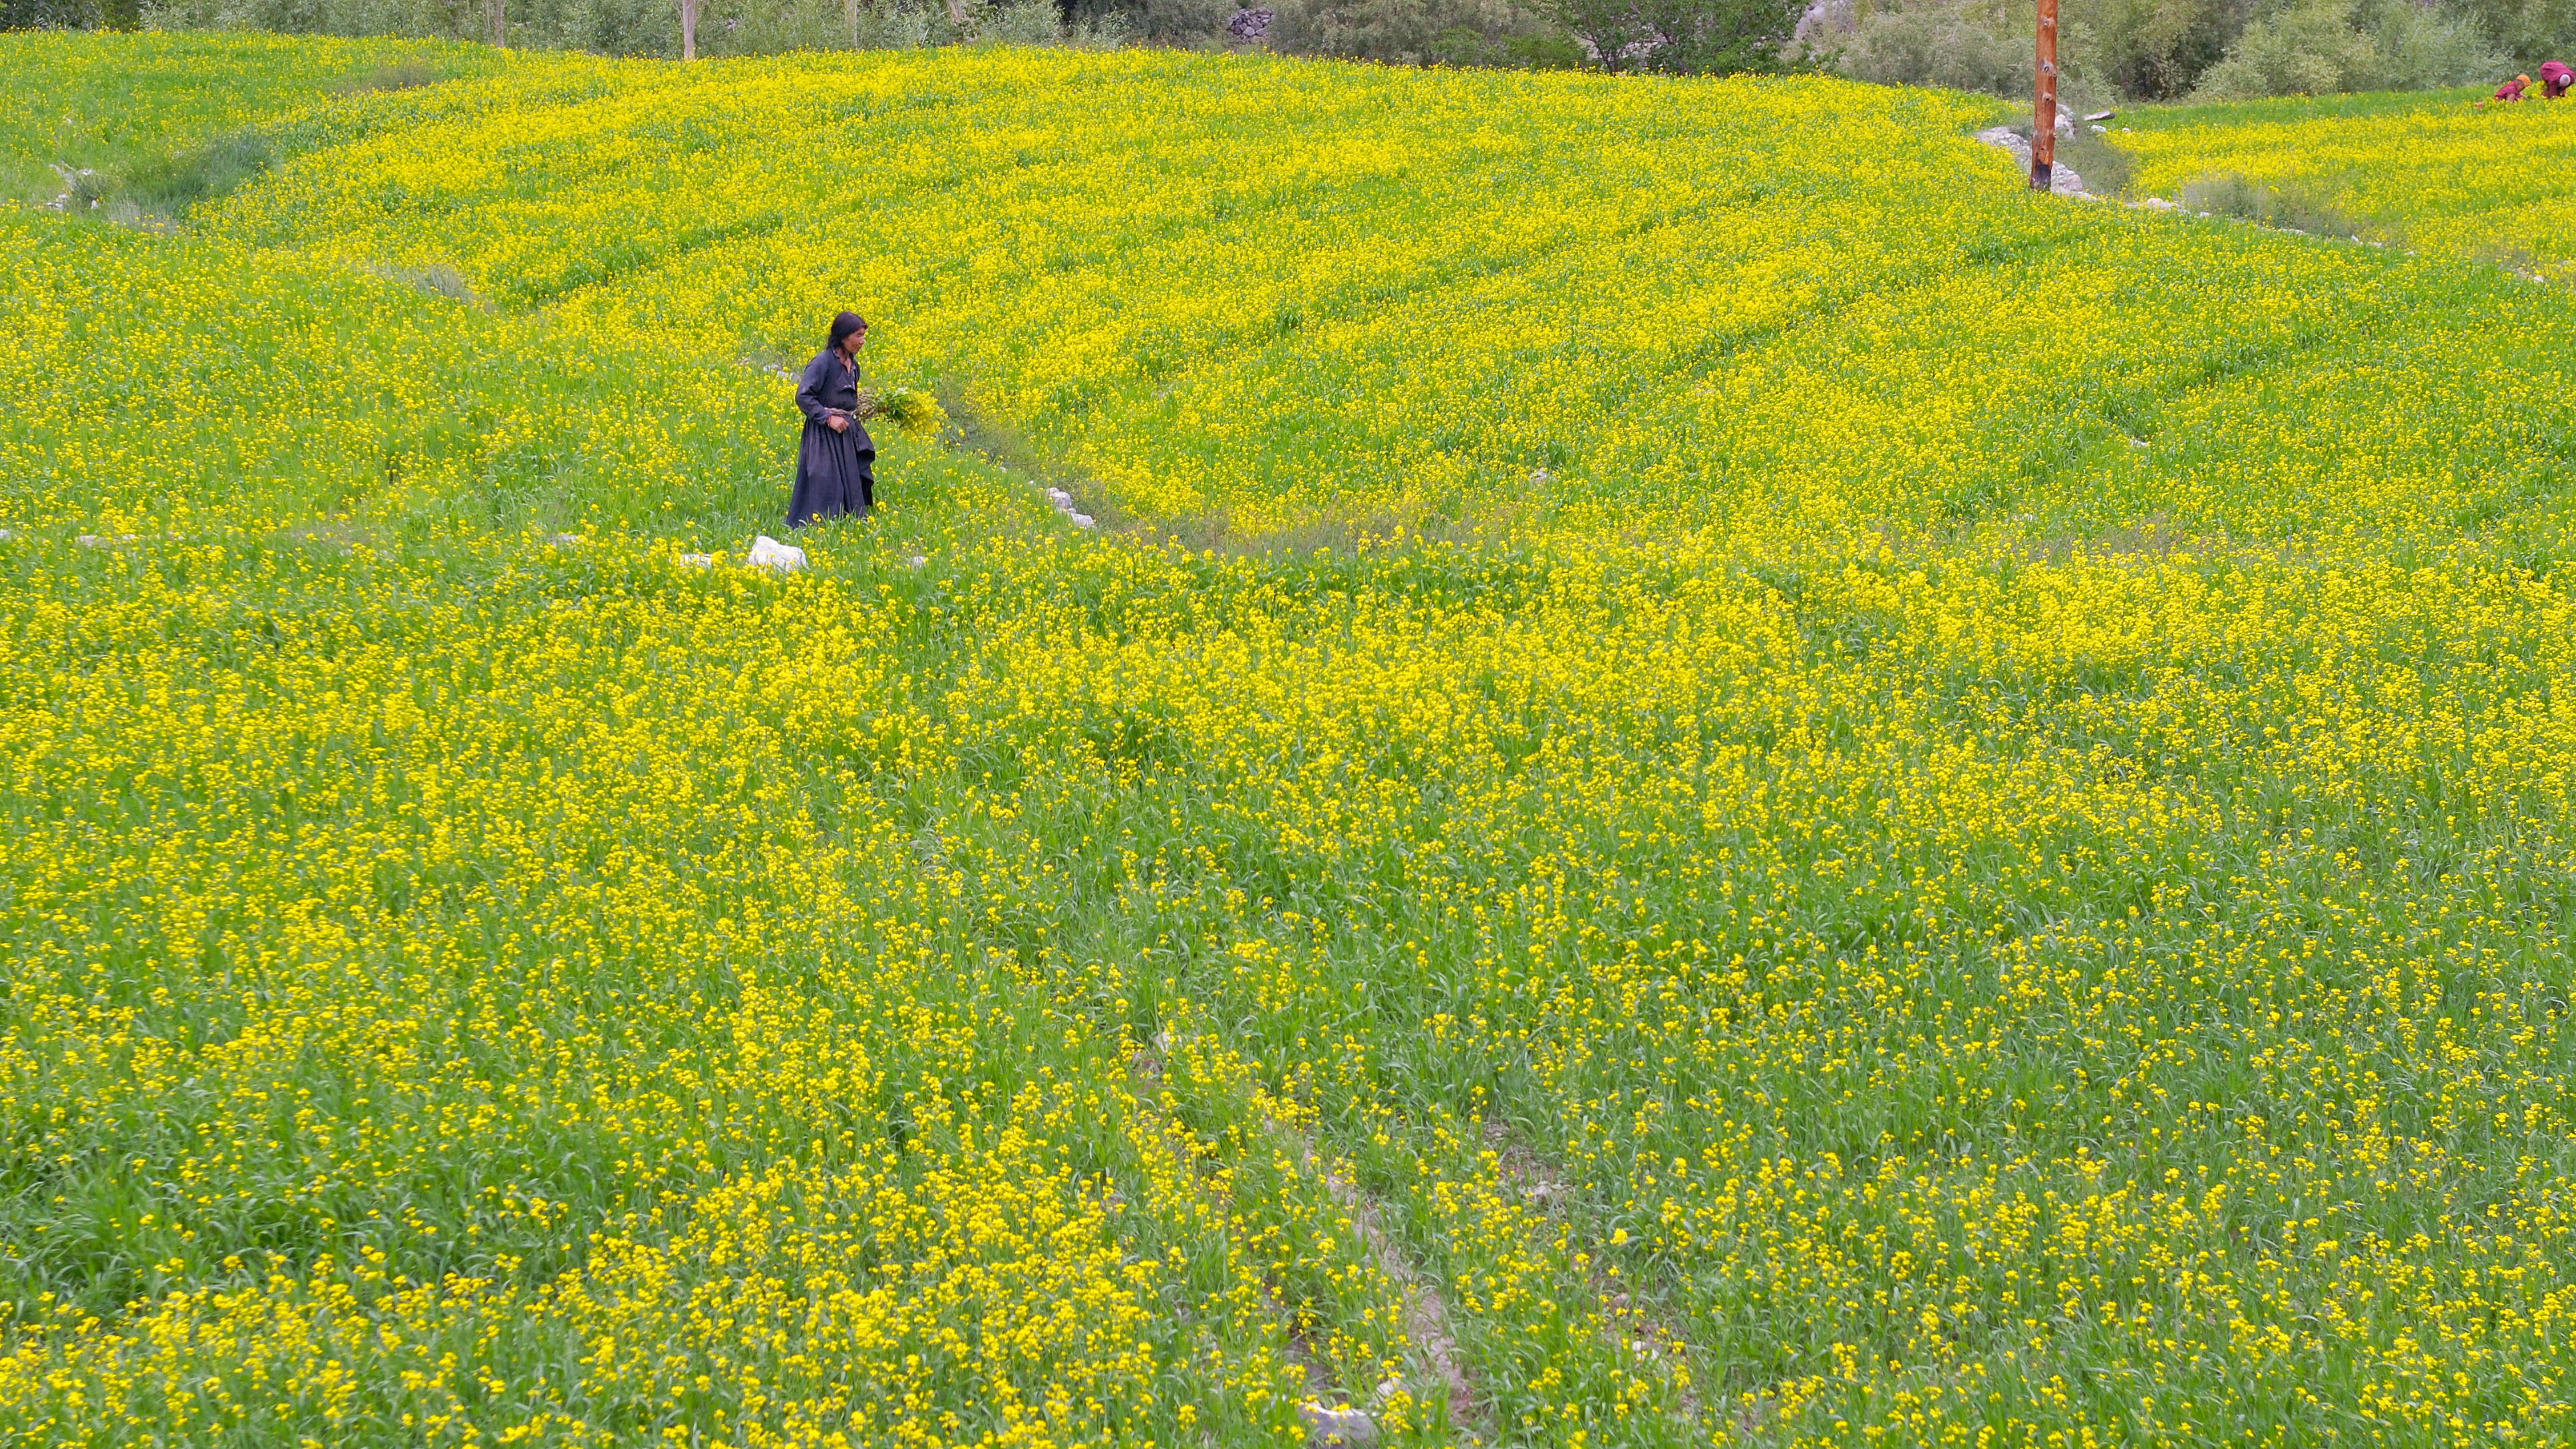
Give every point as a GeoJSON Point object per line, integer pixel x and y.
{"type": "Point", "coordinates": [689, 28]}
{"type": "Point", "coordinates": [69, 14]}
{"type": "Point", "coordinates": [1612, 30]}
{"type": "Point", "coordinates": [1713, 37]}
{"type": "Point", "coordinates": [1721, 37]}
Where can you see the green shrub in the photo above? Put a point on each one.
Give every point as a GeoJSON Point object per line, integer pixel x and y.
{"type": "Point", "coordinates": [1716, 37]}
{"type": "Point", "coordinates": [1157, 19]}
{"type": "Point", "coordinates": [2529, 31]}
{"type": "Point", "coordinates": [68, 14]}
{"type": "Point", "coordinates": [1410, 32]}
{"type": "Point", "coordinates": [1967, 47]}
{"type": "Point", "coordinates": [2152, 49]}
{"type": "Point", "coordinates": [2327, 47]}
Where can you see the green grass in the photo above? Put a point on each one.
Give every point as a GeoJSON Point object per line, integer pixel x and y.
{"type": "Point", "coordinates": [163, 120]}
{"type": "Point", "coordinates": [2297, 109]}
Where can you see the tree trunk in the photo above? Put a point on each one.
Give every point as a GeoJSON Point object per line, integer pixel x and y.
{"type": "Point", "coordinates": [850, 13]}
{"type": "Point", "coordinates": [957, 13]}
{"type": "Point", "coordinates": [689, 29]}
{"type": "Point", "coordinates": [500, 24]}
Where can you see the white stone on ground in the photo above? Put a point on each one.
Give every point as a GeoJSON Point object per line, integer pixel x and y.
{"type": "Point", "coordinates": [2061, 182]}
{"type": "Point", "coordinates": [769, 553]}
{"type": "Point", "coordinates": [1062, 502]}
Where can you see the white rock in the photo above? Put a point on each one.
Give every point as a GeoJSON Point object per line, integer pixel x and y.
{"type": "Point", "coordinates": [1059, 498]}
{"type": "Point", "coordinates": [564, 540]}
{"type": "Point", "coordinates": [1080, 520]}
{"type": "Point", "coordinates": [2061, 182]}
{"type": "Point", "coordinates": [769, 553]}
{"type": "Point", "coordinates": [697, 560]}
{"type": "Point", "coordinates": [1337, 1426]}
{"type": "Point", "coordinates": [914, 562]}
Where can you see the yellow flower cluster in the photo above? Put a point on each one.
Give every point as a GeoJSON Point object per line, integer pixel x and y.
{"type": "Point", "coordinates": [2439, 174]}
{"type": "Point", "coordinates": [1913, 816]}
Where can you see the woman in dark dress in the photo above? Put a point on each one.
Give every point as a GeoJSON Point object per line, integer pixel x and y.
{"type": "Point", "coordinates": [836, 462]}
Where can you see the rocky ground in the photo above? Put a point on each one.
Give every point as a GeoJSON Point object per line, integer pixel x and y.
{"type": "Point", "coordinates": [2061, 181]}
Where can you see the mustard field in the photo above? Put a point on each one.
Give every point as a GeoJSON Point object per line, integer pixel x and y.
{"type": "Point", "coordinates": [2433, 172]}
{"type": "Point", "coordinates": [1713, 778]}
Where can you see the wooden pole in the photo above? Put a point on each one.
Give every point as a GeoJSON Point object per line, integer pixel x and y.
{"type": "Point", "coordinates": [2043, 101]}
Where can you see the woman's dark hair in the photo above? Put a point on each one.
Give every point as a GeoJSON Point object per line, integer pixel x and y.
{"type": "Point", "coordinates": [845, 324]}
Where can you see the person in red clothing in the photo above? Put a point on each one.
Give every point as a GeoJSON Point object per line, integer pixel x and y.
{"type": "Point", "coordinates": [2555, 78]}
{"type": "Point", "coordinates": [2512, 90]}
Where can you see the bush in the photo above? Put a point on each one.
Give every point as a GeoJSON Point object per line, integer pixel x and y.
{"type": "Point", "coordinates": [1418, 32]}
{"type": "Point", "coordinates": [2146, 49]}
{"type": "Point", "coordinates": [1155, 19]}
{"type": "Point", "coordinates": [1966, 47]}
{"type": "Point", "coordinates": [1685, 36]}
{"type": "Point", "coordinates": [647, 27]}
{"type": "Point", "coordinates": [427, 19]}
{"type": "Point", "coordinates": [2168, 49]}
{"type": "Point", "coordinates": [2527, 31]}
{"type": "Point", "coordinates": [767, 27]}
{"type": "Point", "coordinates": [69, 14]}
{"type": "Point", "coordinates": [2325, 47]}
{"type": "Point", "coordinates": [2151, 49]}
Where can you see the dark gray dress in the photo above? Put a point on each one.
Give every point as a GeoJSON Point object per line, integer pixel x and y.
{"type": "Point", "coordinates": [835, 472]}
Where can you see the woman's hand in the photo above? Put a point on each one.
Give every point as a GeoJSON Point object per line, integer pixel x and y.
{"type": "Point", "coordinates": [837, 423]}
